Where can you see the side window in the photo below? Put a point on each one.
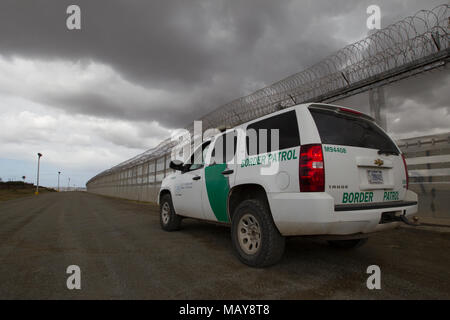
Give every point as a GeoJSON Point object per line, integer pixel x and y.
{"type": "Point", "coordinates": [198, 158]}
{"type": "Point", "coordinates": [259, 134]}
{"type": "Point", "coordinates": [225, 147]}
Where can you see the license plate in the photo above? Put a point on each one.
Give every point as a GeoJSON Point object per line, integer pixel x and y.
{"type": "Point", "coordinates": [375, 176]}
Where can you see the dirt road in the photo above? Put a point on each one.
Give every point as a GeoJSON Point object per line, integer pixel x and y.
{"type": "Point", "coordinates": [123, 254]}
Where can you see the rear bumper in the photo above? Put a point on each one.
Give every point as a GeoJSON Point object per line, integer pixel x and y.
{"type": "Point", "coordinates": [368, 206]}
{"type": "Point", "coordinates": [316, 214]}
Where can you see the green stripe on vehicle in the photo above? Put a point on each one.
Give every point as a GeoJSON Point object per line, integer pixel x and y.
{"type": "Point", "coordinates": [217, 187]}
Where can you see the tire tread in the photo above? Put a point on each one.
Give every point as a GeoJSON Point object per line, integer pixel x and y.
{"type": "Point", "coordinates": [174, 219]}
{"type": "Point", "coordinates": [272, 248]}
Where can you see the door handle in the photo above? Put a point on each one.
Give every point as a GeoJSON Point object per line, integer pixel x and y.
{"type": "Point", "coordinates": [196, 178]}
{"type": "Point", "coordinates": [229, 171]}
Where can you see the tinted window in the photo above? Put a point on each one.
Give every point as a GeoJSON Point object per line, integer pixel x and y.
{"type": "Point", "coordinates": [225, 147]}
{"type": "Point", "coordinates": [260, 133]}
{"type": "Point", "coordinates": [353, 131]}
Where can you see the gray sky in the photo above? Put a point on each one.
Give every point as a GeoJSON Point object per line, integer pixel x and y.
{"type": "Point", "coordinates": [90, 99]}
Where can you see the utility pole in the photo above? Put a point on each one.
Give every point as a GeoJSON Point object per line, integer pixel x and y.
{"type": "Point", "coordinates": [59, 173]}
{"type": "Point", "coordinates": [377, 101]}
{"type": "Point", "coordinates": [68, 185]}
{"type": "Point", "coordinates": [378, 106]}
{"type": "Point", "coordinates": [37, 182]}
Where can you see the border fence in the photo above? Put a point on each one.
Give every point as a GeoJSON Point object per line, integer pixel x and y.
{"type": "Point", "coordinates": [140, 182]}
{"type": "Point", "coordinates": [428, 160]}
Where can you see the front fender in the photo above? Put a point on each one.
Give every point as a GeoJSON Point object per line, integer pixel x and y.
{"type": "Point", "coordinates": [165, 188]}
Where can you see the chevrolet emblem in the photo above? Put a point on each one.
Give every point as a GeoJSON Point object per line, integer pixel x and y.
{"type": "Point", "coordinates": [379, 162]}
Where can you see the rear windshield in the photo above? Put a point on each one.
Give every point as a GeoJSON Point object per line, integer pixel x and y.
{"type": "Point", "coordinates": [347, 130]}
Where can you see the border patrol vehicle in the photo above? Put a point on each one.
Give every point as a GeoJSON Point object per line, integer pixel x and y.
{"type": "Point", "coordinates": [337, 175]}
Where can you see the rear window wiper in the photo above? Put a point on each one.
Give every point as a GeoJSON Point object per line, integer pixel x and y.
{"type": "Point", "coordinates": [388, 151]}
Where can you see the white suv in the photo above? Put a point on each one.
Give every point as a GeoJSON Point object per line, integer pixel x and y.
{"type": "Point", "coordinates": [333, 172]}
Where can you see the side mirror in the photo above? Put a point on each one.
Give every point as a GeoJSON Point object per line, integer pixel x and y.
{"type": "Point", "coordinates": [176, 165]}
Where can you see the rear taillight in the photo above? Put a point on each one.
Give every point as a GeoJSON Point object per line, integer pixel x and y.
{"type": "Point", "coordinates": [311, 168]}
{"type": "Point", "coordinates": [406, 171]}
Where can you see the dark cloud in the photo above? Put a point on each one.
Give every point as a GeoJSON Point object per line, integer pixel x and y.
{"type": "Point", "coordinates": [202, 53]}
{"type": "Point", "coordinates": [429, 90]}
{"type": "Point", "coordinates": [156, 41]}
{"type": "Point", "coordinates": [179, 46]}
{"type": "Point", "coordinates": [414, 106]}
{"type": "Point", "coordinates": [420, 104]}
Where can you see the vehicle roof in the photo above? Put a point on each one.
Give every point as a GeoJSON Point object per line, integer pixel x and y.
{"type": "Point", "coordinates": [302, 105]}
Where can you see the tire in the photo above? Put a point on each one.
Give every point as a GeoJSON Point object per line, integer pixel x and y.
{"type": "Point", "coordinates": [168, 219]}
{"type": "Point", "coordinates": [264, 246]}
{"type": "Point", "coordinates": [347, 244]}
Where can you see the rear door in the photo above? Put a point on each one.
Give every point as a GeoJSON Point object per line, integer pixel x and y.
{"type": "Point", "coordinates": [271, 153]}
{"type": "Point", "coordinates": [362, 163]}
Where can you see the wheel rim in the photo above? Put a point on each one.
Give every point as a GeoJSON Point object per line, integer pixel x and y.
{"type": "Point", "coordinates": [165, 213]}
{"type": "Point", "coordinates": [249, 234]}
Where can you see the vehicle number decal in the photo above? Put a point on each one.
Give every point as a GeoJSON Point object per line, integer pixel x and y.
{"type": "Point", "coordinates": [334, 149]}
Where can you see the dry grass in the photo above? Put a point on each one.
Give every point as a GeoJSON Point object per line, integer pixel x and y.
{"type": "Point", "coordinates": [10, 194]}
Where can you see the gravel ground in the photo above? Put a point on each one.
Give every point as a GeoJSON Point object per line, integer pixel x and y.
{"type": "Point", "coordinates": [123, 254]}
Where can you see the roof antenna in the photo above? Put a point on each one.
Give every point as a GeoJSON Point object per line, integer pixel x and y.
{"type": "Point", "coordinates": [292, 98]}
